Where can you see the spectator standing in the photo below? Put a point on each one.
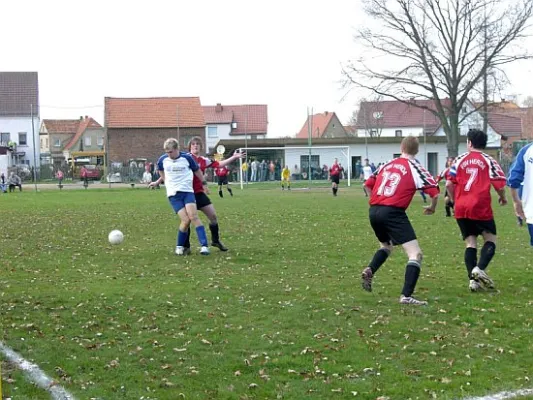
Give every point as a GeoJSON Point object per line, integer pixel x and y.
{"type": "Point", "coordinates": [3, 183]}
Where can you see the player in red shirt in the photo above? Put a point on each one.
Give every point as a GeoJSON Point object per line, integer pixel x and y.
{"type": "Point", "coordinates": [334, 173]}
{"type": "Point", "coordinates": [222, 173]}
{"type": "Point", "coordinates": [448, 202]}
{"type": "Point", "coordinates": [392, 189]}
{"type": "Point", "coordinates": [469, 180]}
{"type": "Point", "coordinates": [203, 203]}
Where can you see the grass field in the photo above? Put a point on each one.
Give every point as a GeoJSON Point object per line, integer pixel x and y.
{"type": "Point", "coordinates": [279, 316]}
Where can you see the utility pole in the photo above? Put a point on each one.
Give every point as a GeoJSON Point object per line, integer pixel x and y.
{"type": "Point", "coordinates": [485, 74]}
{"type": "Point", "coordinates": [178, 122]}
{"type": "Point", "coordinates": [34, 157]}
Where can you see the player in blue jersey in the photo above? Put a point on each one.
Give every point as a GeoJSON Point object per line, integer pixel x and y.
{"type": "Point", "coordinates": [176, 169]}
{"type": "Point", "coordinates": [520, 181]}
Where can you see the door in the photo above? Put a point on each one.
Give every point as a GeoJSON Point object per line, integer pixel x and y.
{"type": "Point", "coordinates": [356, 169]}
{"type": "Point", "coordinates": [433, 165]}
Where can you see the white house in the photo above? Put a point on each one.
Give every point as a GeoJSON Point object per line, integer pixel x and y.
{"type": "Point", "coordinates": [397, 119]}
{"type": "Point", "coordinates": [234, 122]}
{"type": "Point", "coordinates": [19, 116]}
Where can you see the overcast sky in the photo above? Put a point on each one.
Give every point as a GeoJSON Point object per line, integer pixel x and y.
{"type": "Point", "coordinates": [286, 54]}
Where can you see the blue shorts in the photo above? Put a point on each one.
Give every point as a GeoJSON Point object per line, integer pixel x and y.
{"type": "Point", "coordinates": [530, 229]}
{"type": "Point", "coordinates": [179, 200]}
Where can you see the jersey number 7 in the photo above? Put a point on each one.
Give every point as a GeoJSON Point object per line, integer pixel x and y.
{"type": "Point", "coordinates": [472, 172]}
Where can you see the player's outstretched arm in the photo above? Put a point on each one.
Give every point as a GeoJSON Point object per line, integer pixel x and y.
{"type": "Point", "coordinates": [429, 210]}
{"type": "Point", "coordinates": [159, 181]}
{"type": "Point", "coordinates": [234, 157]}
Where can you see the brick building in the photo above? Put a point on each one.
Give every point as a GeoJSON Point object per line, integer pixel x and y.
{"type": "Point", "coordinates": [137, 127]}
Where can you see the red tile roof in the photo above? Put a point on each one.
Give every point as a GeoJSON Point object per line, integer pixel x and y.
{"type": "Point", "coordinates": [397, 114]}
{"type": "Point", "coordinates": [250, 119]}
{"type": "Point", "coordinates": [154, 112]}
{"type": "Point", "coordinates": [217, 114]}
{"type": "Point", "coordinates": [505, 124]}
{"type": "Point", "coordinates": [83, 124]}
{"type": "Point", "coordinates": [61, 125]}
{"type": "Point", "coordinates": [319, 123]}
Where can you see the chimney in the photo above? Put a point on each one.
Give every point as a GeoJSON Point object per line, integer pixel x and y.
{"type": "Point", "coordinates": [326, 113]}
{"type": "Point", "coordinates": [86, 117]}
{"type": "Point", "coordinates": [81, 117]}
{"type": "Point", "coordinates": [218, 107]}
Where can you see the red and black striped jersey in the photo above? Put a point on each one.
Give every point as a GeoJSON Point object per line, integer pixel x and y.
{"type": "Point", "coordinates": [473, 173]}
{"type": "Point", "coordinates": [397, 181]}
{"type": "Point", "coordinates": [203, 163]}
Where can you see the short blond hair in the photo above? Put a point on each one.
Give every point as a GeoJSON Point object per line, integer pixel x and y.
{"type": "Point", "coordinates": [170, 144]}
{"type": "Point", "coordinates": [410, 145]}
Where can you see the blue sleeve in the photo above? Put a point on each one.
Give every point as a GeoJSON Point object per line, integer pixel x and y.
{"type": "Point", "coordinates": [160, 162]}
{"type": "Point", "coordinates": [192, 163]}
{"type": "Point", "coordinates": [517, 170]}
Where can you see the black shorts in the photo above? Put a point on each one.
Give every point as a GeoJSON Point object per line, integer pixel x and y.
{"type": "Point", "coordinates": [201, 200]}
{"type": "Point", "coordinates": [335, 179]}
{"type": "Point", "coordinates": [222, 180]}
{"type": "Point", "coordinates": [472, 227]}
{"type": "Point", "coordinates": [391, 225]}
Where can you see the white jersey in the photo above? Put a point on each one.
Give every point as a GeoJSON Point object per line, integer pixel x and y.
{"type": "Point", "coordinates": [521, 178]}
{"type": "Point", "coordinates": [367, 172]}
{"type": "Point", "coordinates": [178, 172]}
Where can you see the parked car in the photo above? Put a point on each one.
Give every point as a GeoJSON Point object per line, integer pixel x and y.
{"type": "Point", "coordinates": [93, 172]}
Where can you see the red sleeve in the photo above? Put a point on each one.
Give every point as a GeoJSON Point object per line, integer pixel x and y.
{"type": "Point", "coordinates": [370, 182]}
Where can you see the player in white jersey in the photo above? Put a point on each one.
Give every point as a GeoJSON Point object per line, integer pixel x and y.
{"type": "Point", "coordinates": [366, 174]}
{"type": "Point", "coordinates": [521, 180]}
{"type": "Point", "coordinates": [176, 169]}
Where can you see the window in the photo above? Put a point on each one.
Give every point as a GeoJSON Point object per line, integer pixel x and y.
{"type": "Point", "coordinates": [212, 132]}
{"type": "Point", "coordinates": [87, 141]}
{"type": "Point", "coordinates": [100, 141]}
{"type": "Point", "coordinates": [315, 163]}
{"type": "Point", "coordinates": [23, 139]}
{"type": "Point", "coordinates": [57, 142]}
{"type": "Point", "coordinates": [4, 137]}
{"type": "Point", "coordinates": [398, 133]}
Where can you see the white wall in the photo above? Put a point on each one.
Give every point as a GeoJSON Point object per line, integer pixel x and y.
{"type": "Point", "coordinates": [223, 131]}
{"type": "Point", "coordinates": [377, 153]}
{"type": "Point", "coordinates": [14, 125]}
{"type": "Point", "coordinates": [5, 163]}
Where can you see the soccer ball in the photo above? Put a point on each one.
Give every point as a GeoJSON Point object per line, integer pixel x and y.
{"type": "Point", "coordinates": [116, 237]}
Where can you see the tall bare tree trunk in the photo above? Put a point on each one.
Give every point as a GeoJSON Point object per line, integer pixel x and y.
{"type": "Point", "coordinates": [453, 136]}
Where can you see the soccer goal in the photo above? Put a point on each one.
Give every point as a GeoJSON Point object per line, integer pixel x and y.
{"type": "Point", "coordinates": [309, 166]}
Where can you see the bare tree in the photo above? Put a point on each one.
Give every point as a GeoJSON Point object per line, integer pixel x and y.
{"type": "Point", "coordinates": [528, 101]}
{"type": "Point", "coordinates": [439, 50]}
{"type": "Point", "coordinates": [371, 117]}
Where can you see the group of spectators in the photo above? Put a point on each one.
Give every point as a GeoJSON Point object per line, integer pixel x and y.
{"type": "Point", "coordinates": [10, 183]}
{"type": "Point", "coordinates": [266, 170]}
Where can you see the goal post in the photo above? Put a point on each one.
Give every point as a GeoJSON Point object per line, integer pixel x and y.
{"type": "Point", "coordinates": [309, 165]}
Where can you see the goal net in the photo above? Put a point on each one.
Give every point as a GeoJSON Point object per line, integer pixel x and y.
{"type": "Point", "coordinates": [309, 166]}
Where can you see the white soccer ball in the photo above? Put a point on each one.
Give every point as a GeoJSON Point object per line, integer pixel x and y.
{"type": "Point", "coordinates": [116, 237]}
